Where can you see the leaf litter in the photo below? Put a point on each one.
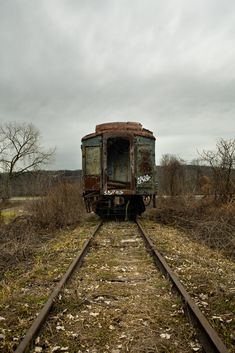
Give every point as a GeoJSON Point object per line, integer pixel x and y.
{"type": "Point", "coordinates": [206, 274]}
{"type": "Point", "coordinates": [119, 302]}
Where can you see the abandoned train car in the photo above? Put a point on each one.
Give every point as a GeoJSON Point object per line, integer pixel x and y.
{"type": "Point", "coordinates": [118, 169]}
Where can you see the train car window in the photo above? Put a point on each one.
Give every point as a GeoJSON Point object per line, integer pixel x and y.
{"type": "Point", "coordinates": [92, 160]}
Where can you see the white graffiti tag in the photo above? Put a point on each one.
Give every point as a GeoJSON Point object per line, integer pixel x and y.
{"type": "Point", "coordinates": [143, 179]}
{"type": "Point", "coordinates": [113, 192]}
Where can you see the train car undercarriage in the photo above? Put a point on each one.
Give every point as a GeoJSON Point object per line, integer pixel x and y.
{"type": "Point", "coordinates": [118, 207]}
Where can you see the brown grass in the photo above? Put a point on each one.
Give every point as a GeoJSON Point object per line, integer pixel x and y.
{"type": "Point", "coordinates": [22, 236]}
{"type": "Point", "coordinates": [118, 302]}
{"type": "Point", "coordinates": [204, 220]}
{"type": "Point", "coordinates": [18, 241]}
{"type": "Point", "coordinates": [206, 274]}
{"type": "Point", "coordinates": [62, 206]}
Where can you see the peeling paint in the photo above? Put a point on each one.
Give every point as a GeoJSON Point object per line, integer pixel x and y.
{"type": "Point", "coordinates": [143, 179]}
{"type": "Point", "coordinates": [118, 161]}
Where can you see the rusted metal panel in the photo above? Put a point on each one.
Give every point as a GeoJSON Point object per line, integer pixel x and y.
{"type": "Point", "coordinates": [91, 156]}
{"type": "Point", "coordinates": [91, 163]}
{"type": "Point", "coordinates": [118, 126]}
{"type": "Point", "coordinates": [135, 129]}
{"type": "Point", "coordinates": [145, 164]}
{"type": "Point", "coordinates": [91, 182]}
{"type": "Point", "coordinates": [126, 162]}
{"type": "Point", "coordinates": [92, 141]}
{"type": "Point", "coordinates": [92, 160]}
{"type": "Point", "coordinates": [144, 160]}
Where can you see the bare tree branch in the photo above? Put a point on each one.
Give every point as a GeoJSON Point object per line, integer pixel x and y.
{"type": "Point", "coordinates": [222, 162]}
{"type": "Point", "coordinates": [20, 149]}
{"type": "Point", "coordinates": [173, 174]}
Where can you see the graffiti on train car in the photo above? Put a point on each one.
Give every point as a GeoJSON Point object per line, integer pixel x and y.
{"type": "Point", "coordinates": [143, 179]}
{"type": "Point", "coordinates": [113, 192]}
{"type": "Point", "coordinates": [118, 163]}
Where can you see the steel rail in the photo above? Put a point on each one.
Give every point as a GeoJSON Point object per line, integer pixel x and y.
{"type": "Point", "coordinates": [43, 314]}
{"type": "Point", "coordinates": [207, 336]}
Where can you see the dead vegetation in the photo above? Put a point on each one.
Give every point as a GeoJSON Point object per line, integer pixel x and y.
{"type": "Point", "coordinates": [118, 302]}
{"type": "Point", "coordinates": [210, 216]}
{"type": "Point", "coordinates": [18, 241]}
{"type": "Point", "coordinates": [62, 206]}
{"type": "Point", "coordinates": [26, 286]}
{"type": "Point", "coordinates": [23, 235]}
{"type": "Point", "coordinates": [206, 274]}
{"type": "Point", "coordinates": [204, 220]}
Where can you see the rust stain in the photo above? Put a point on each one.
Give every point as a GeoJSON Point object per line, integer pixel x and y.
{"type": "Point", "coordinates": [135, 129]}
{"type": "Point", "coordinates": [145, 164]}
{"type": "Point", "coordinates": [92, 182]}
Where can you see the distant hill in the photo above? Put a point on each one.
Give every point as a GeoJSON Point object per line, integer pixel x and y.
{"type": "Point", "coordinates": [36, 183]}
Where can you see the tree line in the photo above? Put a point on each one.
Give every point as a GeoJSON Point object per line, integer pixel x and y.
{"type": "Point", "coordinates": [22, 157]}
{"type": "Point", "coordinates": [213, 173]}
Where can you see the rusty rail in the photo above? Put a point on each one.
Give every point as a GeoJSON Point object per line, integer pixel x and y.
{"type": "Point", "coordinates": [207, 336]}
{"type": "Point", "coordinates": [43, 314]}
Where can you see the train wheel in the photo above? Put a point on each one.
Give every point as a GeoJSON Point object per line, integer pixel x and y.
{"type": "Point", "coordinates": [134, 206]}
{"type": "Point", "coordinates": [147, 199]}
{"type": "Point", "coordinates": [130, 211]}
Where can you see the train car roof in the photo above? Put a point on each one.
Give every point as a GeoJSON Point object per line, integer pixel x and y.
{"type": "Point", "coordinates": [115, 127]}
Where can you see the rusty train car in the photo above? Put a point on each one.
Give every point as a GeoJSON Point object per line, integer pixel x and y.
{"type": "Point", "coordinates": [118, 162]}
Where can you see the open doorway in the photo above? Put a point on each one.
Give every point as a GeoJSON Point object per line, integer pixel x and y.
{"type": "Point", "coordinates": [118, 163]}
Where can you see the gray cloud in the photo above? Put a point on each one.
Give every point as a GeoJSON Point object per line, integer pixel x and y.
{"type": "Point", "coordinates": [69, 65]}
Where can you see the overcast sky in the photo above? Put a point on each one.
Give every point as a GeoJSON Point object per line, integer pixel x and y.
{"type": "Point", "coordinates": [67, 65]}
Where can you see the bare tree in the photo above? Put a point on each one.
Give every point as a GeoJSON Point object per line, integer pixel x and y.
{"type": "Point", "coordinates": [172, 174]}
{"type": "Point", "coordinates": [194, 174]}
{"type": "Point", "coordinates": [20, 151]}
{"type": "Point", "coordinates": [222, 162]}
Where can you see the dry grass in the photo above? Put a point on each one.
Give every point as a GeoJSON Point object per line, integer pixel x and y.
{"type": "Point", "coordinates": [5, 204]}
{"type": "Point", "coordinates": [204, 220]}
{"type": "Point", "coordinates": [118, 302]}
{"type": "Point", "coordinates": [62, 206]}
{"type": "Point", "coordinates": [19, 240]}
{"type": "Point", "coordinates": [206, 274]}
{"type": "Point", "coordinates": [25, 288]}
{"type": "Point", "coordinates": [22, 236]}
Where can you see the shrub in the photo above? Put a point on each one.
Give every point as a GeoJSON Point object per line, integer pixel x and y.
{"type": "Point", "coordinates": [203, 220]}
{"type": "Point", "coordinates": [62, 206]}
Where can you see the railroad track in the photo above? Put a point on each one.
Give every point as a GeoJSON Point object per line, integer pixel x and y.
{"type": "Point", "coordinates": [119, 302]}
